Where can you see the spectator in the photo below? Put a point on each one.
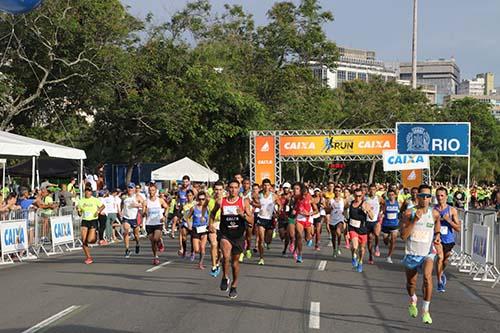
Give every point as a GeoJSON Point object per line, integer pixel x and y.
{"type": "Point", "coordinates": [65, 197]}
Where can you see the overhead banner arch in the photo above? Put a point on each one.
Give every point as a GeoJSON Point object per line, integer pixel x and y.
{"type": "Point", "coordinates": [268, 149]}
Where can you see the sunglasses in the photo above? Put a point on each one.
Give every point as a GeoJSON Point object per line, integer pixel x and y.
{"type": "Point", "coordinates": [424, 195]}
{"type": "Point", "coordinates": [202, 199]}
{"type": "Point", "coordinates": [358, 196]}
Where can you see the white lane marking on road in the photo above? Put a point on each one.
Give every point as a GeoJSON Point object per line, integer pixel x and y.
{"type": "Point", "coordinates": [322, 265]}
{"type": "Point", "coordinates": [154, 268]}
{"type": "Point", "coordinates": [52, 319]}
{"type": "Point", "coordinates": [314, 315]}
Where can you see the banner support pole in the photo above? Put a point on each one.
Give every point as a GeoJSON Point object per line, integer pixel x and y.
{"type": "Point", "coordinates": [468, 175]}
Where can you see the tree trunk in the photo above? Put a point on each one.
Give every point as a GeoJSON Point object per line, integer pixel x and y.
{"type": "Point", "coordinates": [130, 170]}
{"type": "Point", "coordinates": [297, 171]}
{"type": "Point", "coordinates": [372, 171]}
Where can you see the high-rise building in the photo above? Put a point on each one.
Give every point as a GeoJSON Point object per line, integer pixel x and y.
{"type": "Point", "coordinates": [353, 64]}
{"type": "Point", "coordinates": [489, 82]}
{"type": "Point", "coordinates": [472, 87]}
{"type": "Point", "coordinates": [443, 73]}
{"type": "Point", "coordinates": [493, 100]}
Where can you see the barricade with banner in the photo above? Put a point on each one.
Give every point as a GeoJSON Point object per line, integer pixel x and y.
{"type": "Point", "coordinates": [14, 239]}
{"type": "Point", "coordinates": [62, 233]}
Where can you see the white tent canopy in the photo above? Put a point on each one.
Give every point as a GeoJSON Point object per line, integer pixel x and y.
{"type": "Point", "coordinates": [176, 170]}
{"type": "Point", "coordinates": [17, 145]}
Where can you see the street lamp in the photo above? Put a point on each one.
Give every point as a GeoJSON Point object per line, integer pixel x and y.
{"type": "Point", "coordinates": [414, 47]}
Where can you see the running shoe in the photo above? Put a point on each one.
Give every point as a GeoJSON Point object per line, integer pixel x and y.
{"type": "Point", "coordinates": [89, 260]}
{"type": "Point", "coordinates": [360, 268]}
{"type": "Point", "coordinates": [248, 254]}
{"type": "Point", "coordinates": [233, 293]}
{"type": "Point", "coordinates": [224, 284]}
{"type": "Point", "coordinates": [261, 262]}
{"type": "Point", "coordinates": [440, 287]}
{"type": "Point", "coordinates": [295, 255]}
{"type": "Point", "coordinates": [389, 260]}
{"type": "Point", "coordinates": [137, 249]}
{"type": "Point", "coordinates": [413, 310]}
{"type": "Point", "coordinates": [192, 257]}
{"type": "Point", "coordinates": [156, 261]}
{"type": "Point", "coordinates": [317, 248]}
{"type": "Point", "coordinates": [339, 252]}
{"type": "Point", "coordinates": [283, 253]}
{"type": "Point", "coordinates": [370, 262]}
{"type": "Point", "coordinates": [291, 247]}
{"type": "Point", "coordinates": [127, 253]}
{"type": "Point", "coordinates": [254, 250]}
{"type": "Point", "coordinates": [275, 234]}
{"type": "Point", "coordinates": [161, 247]}
{"type": "Point", "coordinates": [309, 243]}
{"type": "Point", "coordinates": [354, 262]}
{"type": "Point", "coordinates": [214, 272]}
{"type": "Point", "coordinates": [377, 251]}
{"type": "Point", "coordinates": [426, 318]}
{"type": "Point", "coordinates": [241, 257]}
{"type": "Point", "coordinates": [299, 260]}
{"type": "Point", "coordinates": [335, 254]}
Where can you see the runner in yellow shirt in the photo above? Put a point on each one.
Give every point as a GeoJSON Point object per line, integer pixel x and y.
{"type": "Point", "coordinates": [89, 208]}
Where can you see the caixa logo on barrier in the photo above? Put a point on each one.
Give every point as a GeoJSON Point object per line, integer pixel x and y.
{"type": "Point", "coordinates": [62, 229]}
{"type": "Point", "coordinates": [14, 236]}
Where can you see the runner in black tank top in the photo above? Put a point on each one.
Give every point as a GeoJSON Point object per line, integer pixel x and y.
{"type": "Point", "coordinates": [358, 212]}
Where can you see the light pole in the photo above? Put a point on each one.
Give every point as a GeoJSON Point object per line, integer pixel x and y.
{"type": "Point", "coordinates": [414, 47]}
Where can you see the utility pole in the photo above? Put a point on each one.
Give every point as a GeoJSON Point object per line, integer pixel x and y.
{"type": "Point", "coordinates": [414, 46]}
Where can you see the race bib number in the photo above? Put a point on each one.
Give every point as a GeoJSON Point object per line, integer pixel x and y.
{"type": "Point", "coordinates": [287, 209]}
{"type": "Point", "coordinates": [230, 210]}
{"type": "Point", "coordinates": [422, 236]}
{"type": "Point", "coordinates": [392, 216]}
{"type": "Point", "coordinates": [444, 230]}
{"type": "Point", "coordinates": [87, 215]}
{"type": "Point", "coordinates": [202, 229]}
{"type": "Point", "coordinates": [322, 212]}
{"type": "Point", "coordinates": [355, 223]}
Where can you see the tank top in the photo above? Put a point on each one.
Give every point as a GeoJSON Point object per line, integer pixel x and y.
{"type": "Point", "coordinates": [421, 238]}
{"type": "Point", "coordinates": [357, 219]}
{"type": "Point", "coordinates": [318, 214]}
{"type": "Point", "coordinates": [285, 208]}
{"type": "Point", "coordinates": [447, 234]}
{"type": "Point", "coordinates": [303, 204]}
{"type": "Point", "coordinates": [129, 210]}
{"type": "Point", "coordinates": [375, 205]}
{"type": "Point", "coordinates": [337, 213]}
{"type": "Point", "coordinates": [182, 196]}
{"type": "Point", "coordinates": [232, 225]}
{"type": "Point", "coordinates": [391, 214]}
{"type": "Point", "coordinates": [154, 212]}
{"type": "Point", "coordinates": [266, 207]}
{"type": "Point", "coordinates": [200, 218]}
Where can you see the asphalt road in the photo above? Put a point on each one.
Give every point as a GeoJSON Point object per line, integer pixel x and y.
{"type": "Point", "coordinates": [119, 295]}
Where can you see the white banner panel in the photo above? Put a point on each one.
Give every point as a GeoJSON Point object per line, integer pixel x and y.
{"type": "Point", "coordinates": [397, 162]}
{"type": "Point", "coordinates": [14, 236]}
{"type": "Point", "coordinates": [62, 229]}
{"type": "Point", "coordinates": [480, 243]}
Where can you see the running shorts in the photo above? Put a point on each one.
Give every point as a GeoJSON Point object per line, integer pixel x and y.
{"type": "Point", "coordinates": [305, 224]}
{"type": "Point", "coordinates": [317, 220]}
{"type": "Point", "coordinates": [152, 228]}
{"type": "Point", "coordinates": [370, 226]}
{"type": "Point", "coordinates": [237, 244]}
{"type": "Point", "coordinates": [265, 223]}
{"type": "Point", "coordinates": [389, 229]}
{"type": "Point", "coordinates": [363, 239]}
{"type": "Point", "coordinates": [447, 248]}
{"type": "Point", "coordinates": [415, 263]}
{"type": "Point", "coordinates": [90, 224]}
{"type": "Point", "coordinates": [133, 222]}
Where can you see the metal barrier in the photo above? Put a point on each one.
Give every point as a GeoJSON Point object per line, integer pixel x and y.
{"type": "Point", "coordinates": [27, 215]}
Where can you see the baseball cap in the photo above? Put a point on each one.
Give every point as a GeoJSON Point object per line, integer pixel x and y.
{"type": "Point", "coordinates": [317, 190]}
{"type": "Point", "coordinates": [287, 185]}
{"type": "Point", "coordinates": [131, 185]}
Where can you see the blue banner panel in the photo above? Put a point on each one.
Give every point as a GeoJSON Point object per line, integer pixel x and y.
{"type": "Point", "coordinates": [439, 139]}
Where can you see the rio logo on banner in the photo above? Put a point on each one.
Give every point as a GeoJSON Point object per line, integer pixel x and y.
{"type": "Point", "coordinates": [265, 159]}
{"type": "Point", "coordinates": [439, 139]}
{"type": "Point", "coordinates": [396, 162]}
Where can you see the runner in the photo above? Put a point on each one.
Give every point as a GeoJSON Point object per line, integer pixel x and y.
{"type": "Point", "coordinates": [359, 210]}
{"type": "Point", "coordinates": [198, 226]}
{"type": "Point", "coordinates": [283, 216]}
{"type": "Point", "coordinates": [390, 223]}
{"type": "Point", "coordinates": [234, 211]}
{"type": "Point", "coordinates": [184, 231]}
{"type": "Point", "coordinates": [412, 201]}
{"type": "Point", "coordinates": [214, 230]}
{"type": "Point", "coordinates": [318, 217]}
{"type": "Point", "coordinates": [89, 207]}
{"type": "Point", "coordinates": [267, 201]}
{"type": "Point", "coordinates": [420, 230]}
{"type": "Point", "coordinates": [449, 225]}
{"type": "Point", "coordinates": [255, 203]}
{"type": "Point", "coordinates": [303, 212]}
{"type": "Point", "coordinates": [372, 223]}
{"type": "Point", "coordinates": [349, 198]}
{"type": "Point", "coordinates": [155, 210]}
{"type": "Point", "coordinates": [131, 203]}
{"type": "Point", "coordinates": [247, 194]}
{"type": "Point", "coordinates": [335, 225]}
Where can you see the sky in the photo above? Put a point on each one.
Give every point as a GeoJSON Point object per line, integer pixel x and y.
{"type": "Point", "coordinates": [464, 29]}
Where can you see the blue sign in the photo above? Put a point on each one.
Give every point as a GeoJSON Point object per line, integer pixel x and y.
{"type": "Point", "coordinates": [439, 139]}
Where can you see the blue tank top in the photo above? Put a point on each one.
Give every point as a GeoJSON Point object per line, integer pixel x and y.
{"type": "Point", "coordinates": [447, 234]}
{"type": "Point", "coordinates": [391, 214]}
{"type": "Point", "coordinates": [197, 216]}
{"type": "Point", "coordinates": [182, 196]}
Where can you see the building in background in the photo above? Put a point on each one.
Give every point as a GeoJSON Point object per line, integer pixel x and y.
{"type": "Point", "coordinates": [493, 100]}
{"type": "Point", "coordinates": [474, 86]}
{"type": "Point", "coordinates": [443, 73]}
{"type": "Point", "coordinates": [489, 83]}
{"type": "Point", "coordinates": [353, 64]}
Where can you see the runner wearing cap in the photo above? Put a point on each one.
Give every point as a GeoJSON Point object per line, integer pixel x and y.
{"type": "Point", "coordinates": [89, 207]}
{"type": "Point", "coordinates": [131, 203]}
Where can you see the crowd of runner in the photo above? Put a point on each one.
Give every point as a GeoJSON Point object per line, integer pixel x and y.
{"type": "Point", "coordinates": [239, 220]}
